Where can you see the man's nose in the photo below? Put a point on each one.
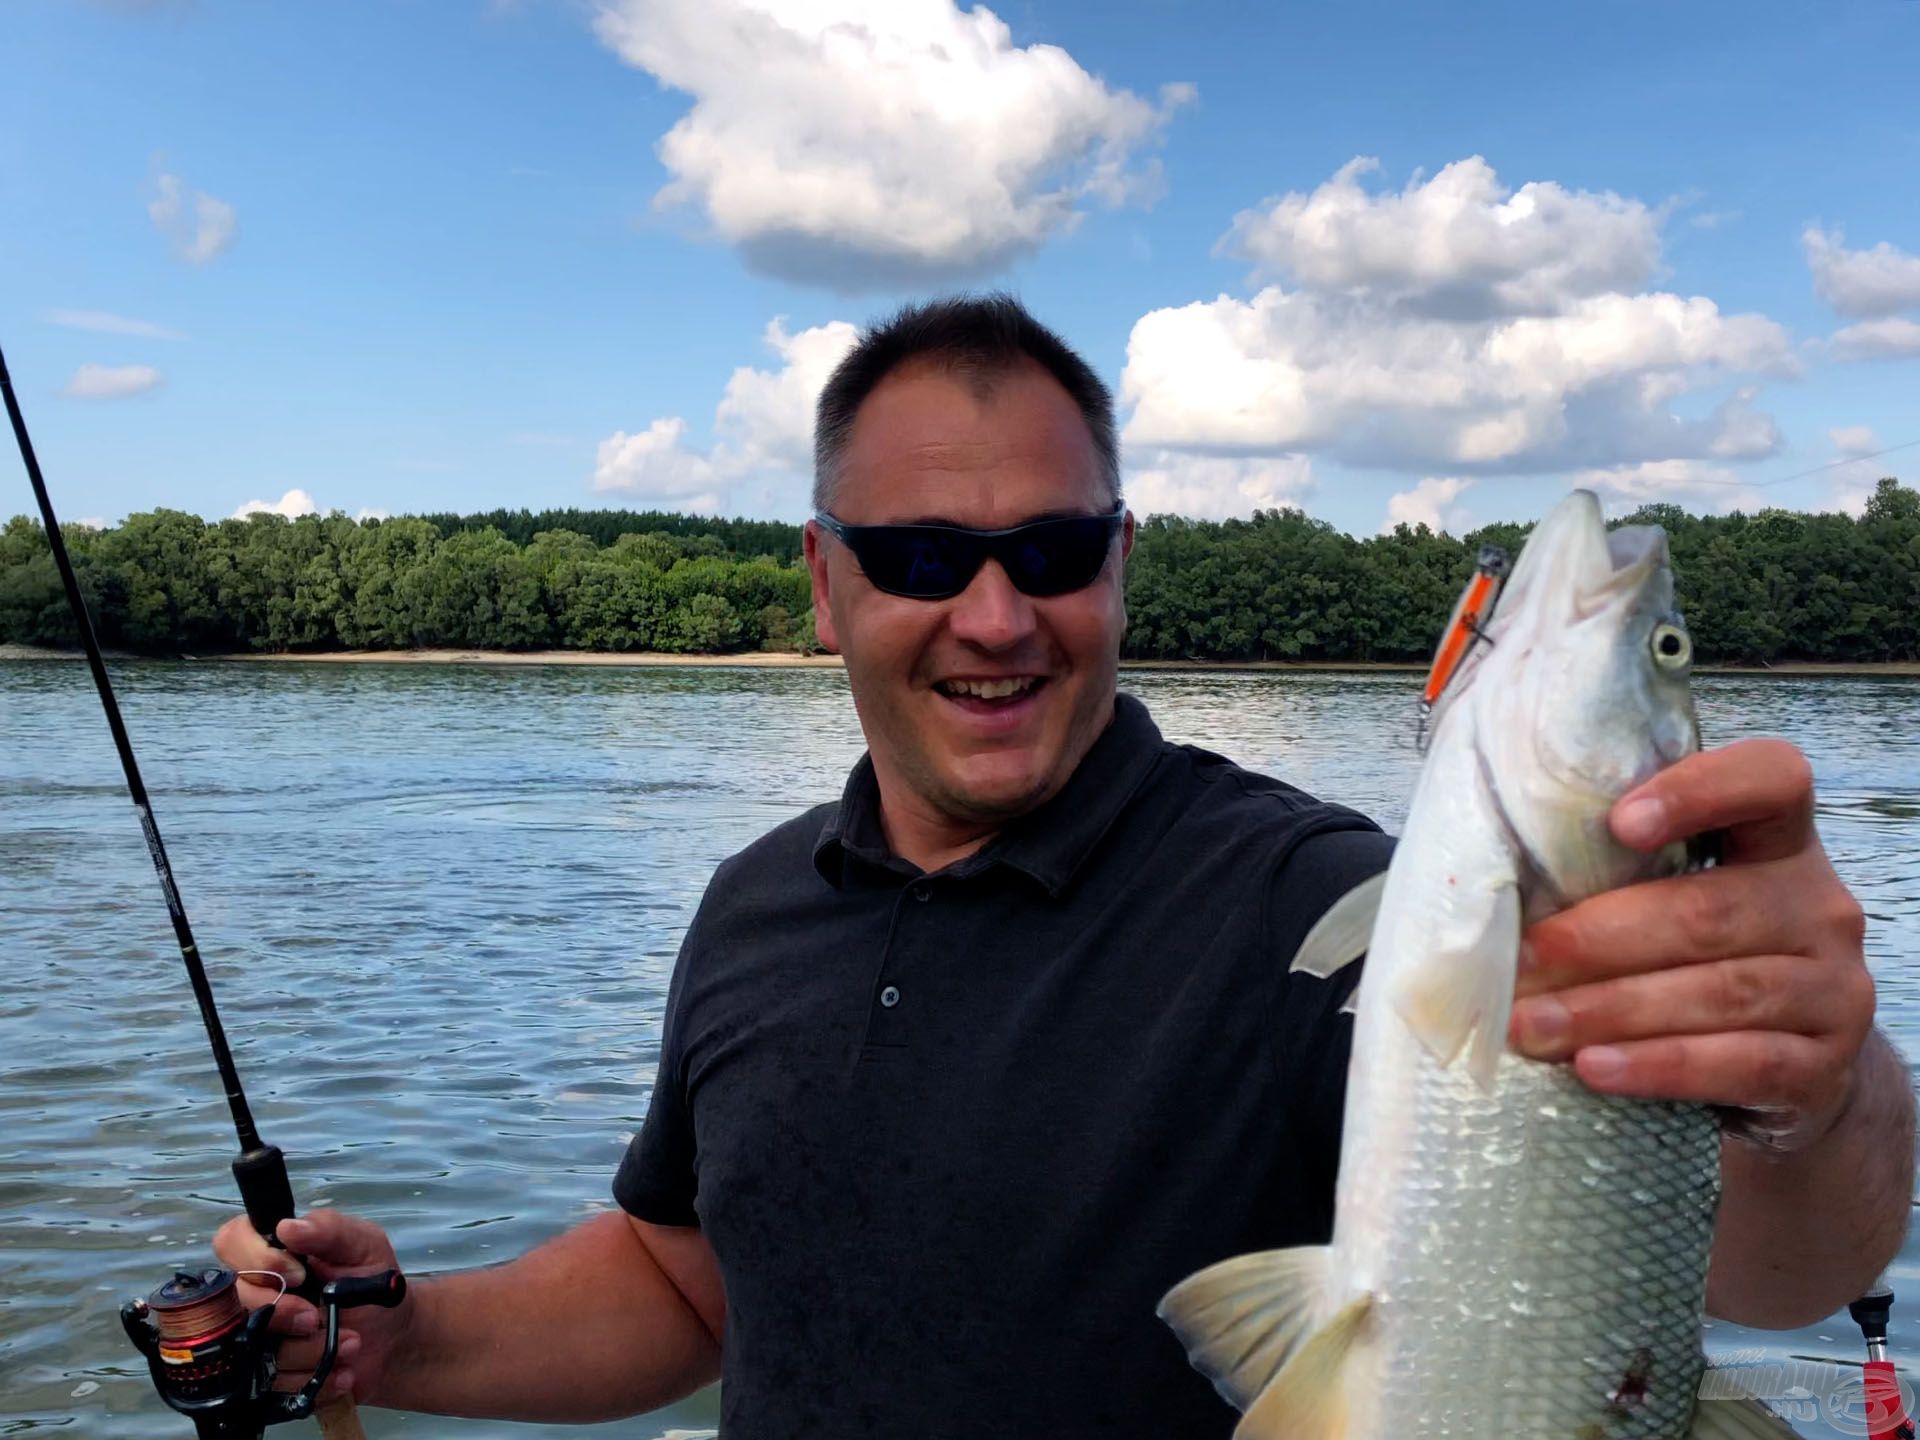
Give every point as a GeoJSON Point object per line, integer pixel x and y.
{"type": "Point", "coordinates": [991, 612]}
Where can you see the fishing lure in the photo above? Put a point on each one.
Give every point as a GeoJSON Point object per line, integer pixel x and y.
{"type": "Point", "coordinates": [1465, 630]}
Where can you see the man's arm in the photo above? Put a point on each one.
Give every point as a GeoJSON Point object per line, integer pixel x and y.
{"type": "Point", "coordinates": [613, 1318]}
{"type": "Point", "coordinates": [1746, 987]}
{"type": "Point", "coordinates": [1800, 1227]}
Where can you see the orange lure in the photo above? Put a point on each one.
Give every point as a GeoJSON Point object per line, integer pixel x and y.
{"type": "Point", "coordinates": [1466, 628]}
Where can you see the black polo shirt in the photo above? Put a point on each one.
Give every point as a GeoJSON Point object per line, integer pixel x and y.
{"type": "Point", "coordinates": [952, 1136]}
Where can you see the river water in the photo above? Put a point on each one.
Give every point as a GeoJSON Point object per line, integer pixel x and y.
{"type": "Point", "coordinates": [440, 907]}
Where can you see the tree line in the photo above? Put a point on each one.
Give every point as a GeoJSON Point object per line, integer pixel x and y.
{"type": "Point", "coordinates": [1776, 585]}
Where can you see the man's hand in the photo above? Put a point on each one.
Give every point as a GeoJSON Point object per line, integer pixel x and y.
{"type": "Point", "coordinates": [1743, 986]}
{"type": "Point", "coordinates": [334, 1245]}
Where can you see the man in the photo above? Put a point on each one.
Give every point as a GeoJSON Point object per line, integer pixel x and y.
{"type": "Point", "coordinates": [960, 1073]}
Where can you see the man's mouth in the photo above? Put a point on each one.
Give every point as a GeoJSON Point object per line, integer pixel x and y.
{"type": "Point", "coordinates": [1000, 693]}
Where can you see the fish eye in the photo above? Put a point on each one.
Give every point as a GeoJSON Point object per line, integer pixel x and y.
{"type": "Point", "coordinates": [1672, 646]}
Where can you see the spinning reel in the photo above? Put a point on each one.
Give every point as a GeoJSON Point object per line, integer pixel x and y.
{"type": "Point", "coordinates": [214, 1362]}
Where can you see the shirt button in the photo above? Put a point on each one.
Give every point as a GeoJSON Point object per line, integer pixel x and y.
{"type": "Point", "coordinates": [923, 891]}
{"type": "Point", "coordinates": [890, 996]}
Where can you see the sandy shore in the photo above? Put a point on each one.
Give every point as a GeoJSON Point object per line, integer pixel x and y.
{"type": "Point", "coordinates": [784, 660]}
{"type": "Point", "coordinates": [749, 660]}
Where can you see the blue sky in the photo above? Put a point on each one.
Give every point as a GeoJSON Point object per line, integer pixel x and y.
{"type": "Point", "coordinates": [461, 254]}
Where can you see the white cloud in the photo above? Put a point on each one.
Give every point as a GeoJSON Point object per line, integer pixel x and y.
{"type": "Point", "coordinates": [765, 418]}
{"type": "Point", "coordinates": [111, 382]}
{"type": "Point", "coordinates": [1681, 482]}
{"type": "Point", "coordinates": [1453, 328]}
{"type": "Point", "coordinates": [1851, 486]}
{"type": "Point", "coordinates": [1893, 338]}
{"type": "Point", "coordinates": [197, 237]}
{"type": "Point", "coordinates": [1861, 282]}
{"type": "Point", "coordinates": [1430, 503]}
{"type": "Point", "coordinates": [1462, 243]}
{"type": "Point", "coordinates": [1214, 487]}
{"type": "Point", "coordinates": [103, 323]}
{"type": "Point", "coordinates": [763, 427]}
{"type": "Point", "coordinates": [879, 143]}
{"type": "Point", "coordinates": [1298, 370]}
{"type": "Point", "coordinates": [1854, 439]}
{"type": "Point", "coordinates": [291, 505]}
{"type": "Point", "coordinates": [87, 522]}
{"type": "Point", "coordinates": [368, 512]}
{"type": "Point", "coordinates": [654, 465]}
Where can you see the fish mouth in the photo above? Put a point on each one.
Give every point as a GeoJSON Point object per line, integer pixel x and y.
{"type": "Point", "coordinates": [1636, 547]}
{"type": "Point", "coordinates": [1635, 554]}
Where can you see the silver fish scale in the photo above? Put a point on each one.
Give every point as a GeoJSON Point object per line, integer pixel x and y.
{"type": "Point", "coordinates": [1553, 1262]}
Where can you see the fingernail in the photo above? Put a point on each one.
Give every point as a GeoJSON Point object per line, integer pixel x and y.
{"type": "Point", "coordinates": [306, 1323]}
{"type": "Point", "coordinates": [1641, 822]}
{"type": "Point", "coordinates": [1543, 1026]}
{"type": "Point", "coordinates": [1603, 1063]}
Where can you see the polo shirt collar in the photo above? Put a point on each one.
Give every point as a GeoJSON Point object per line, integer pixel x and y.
{"type": "Point", "coordinates": [1048, 844]}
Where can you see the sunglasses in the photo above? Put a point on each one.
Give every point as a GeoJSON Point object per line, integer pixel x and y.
{"type": "Point", "coordinates": [937, 562]}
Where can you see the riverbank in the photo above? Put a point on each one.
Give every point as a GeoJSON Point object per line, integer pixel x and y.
{"type": "Point", "coordinates": [785, 660]}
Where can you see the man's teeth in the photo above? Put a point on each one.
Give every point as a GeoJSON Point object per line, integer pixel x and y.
{"type": "Point", "coordinates": [988, 689]}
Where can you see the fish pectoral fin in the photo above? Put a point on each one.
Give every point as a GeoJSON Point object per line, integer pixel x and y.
{"type": "Point", "coordinates": [1463, 985]}
{"type": "Point", "coordinates": [1738, 1419]}
{"type": "Point", "coordinates": [1340, 936]}
{"type": "Point", "coordinates": [1241, 1319]}
{"type": "Point", "coordinates": [1308, 1398]}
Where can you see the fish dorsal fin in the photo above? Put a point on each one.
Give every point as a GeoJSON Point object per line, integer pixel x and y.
{"type": "Point", "coordinates": [1241, 1319]}
{"type": "Point", "coordinates": [1462, 984]}
{"type": "Point", "coordinates": [1340, 936]}
{"type": "Point", "coordinates": [1308, 1399]}
{"type": "Point", "coordinates": [1738, 1419]}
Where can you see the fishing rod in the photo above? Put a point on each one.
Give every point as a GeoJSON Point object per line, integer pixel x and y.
{"type": "Point", "coordinates": [210, 1359]}
{"type": "Point", "coordinates": [1883, 1397]}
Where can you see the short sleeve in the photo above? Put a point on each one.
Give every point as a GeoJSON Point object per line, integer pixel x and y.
{"type": "Point", "coordinates": [1314, 1039]}
{"type": "Point", "coordinates": [657, 1180]}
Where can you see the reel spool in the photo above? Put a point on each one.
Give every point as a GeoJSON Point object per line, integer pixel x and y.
{"type": "Point", "coordinates": [213, 1361]}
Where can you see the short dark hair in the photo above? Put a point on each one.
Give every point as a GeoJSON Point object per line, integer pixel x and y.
{"type": "Point", "coordinates": [979, 337]}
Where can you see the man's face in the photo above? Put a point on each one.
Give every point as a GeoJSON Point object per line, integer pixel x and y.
{"type": "Point", "coordinates": [926, 447]}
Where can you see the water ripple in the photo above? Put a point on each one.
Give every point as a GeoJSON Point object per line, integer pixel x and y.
{"type": "Point", "coordinates": [440, 909]}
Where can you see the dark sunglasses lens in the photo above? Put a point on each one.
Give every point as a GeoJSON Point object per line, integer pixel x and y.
{"type": "Point", "coordinates": [919, 562]}
{"type": "Point", "coordinates": [1055, 557]}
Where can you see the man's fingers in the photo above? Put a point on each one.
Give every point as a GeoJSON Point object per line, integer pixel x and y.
{"type": "Point", "coordinates": [297, 1358]}
{"type": "Point", "coordinates": [238, 1246]}
{"type": "Point", "coordinates": [1740, 910]}
{"type": "Point", "coordinates": [336, 1241]}
{"type": "Point", "coordinates": [1759, 791]}
{"type": "Point", "coordinates": [1738, 1068]}
{"type": "Point", "coordinates": [291, 1315]}
{"type": "Point", "coordinates": [1787, 993]}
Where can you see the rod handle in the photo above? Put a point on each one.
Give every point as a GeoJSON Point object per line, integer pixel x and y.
{"type": "Point", "coordinates": [265, 1189]}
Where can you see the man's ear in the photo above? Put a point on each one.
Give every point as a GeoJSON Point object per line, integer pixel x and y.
{"type": "Point", "coordinates": [1126, 537]}
{"type": "Point", "coordinates": [813, 541]}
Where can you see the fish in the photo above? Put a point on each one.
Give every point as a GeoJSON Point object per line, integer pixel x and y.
{"type": "Point", "coordinates": [1513, 1255]}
